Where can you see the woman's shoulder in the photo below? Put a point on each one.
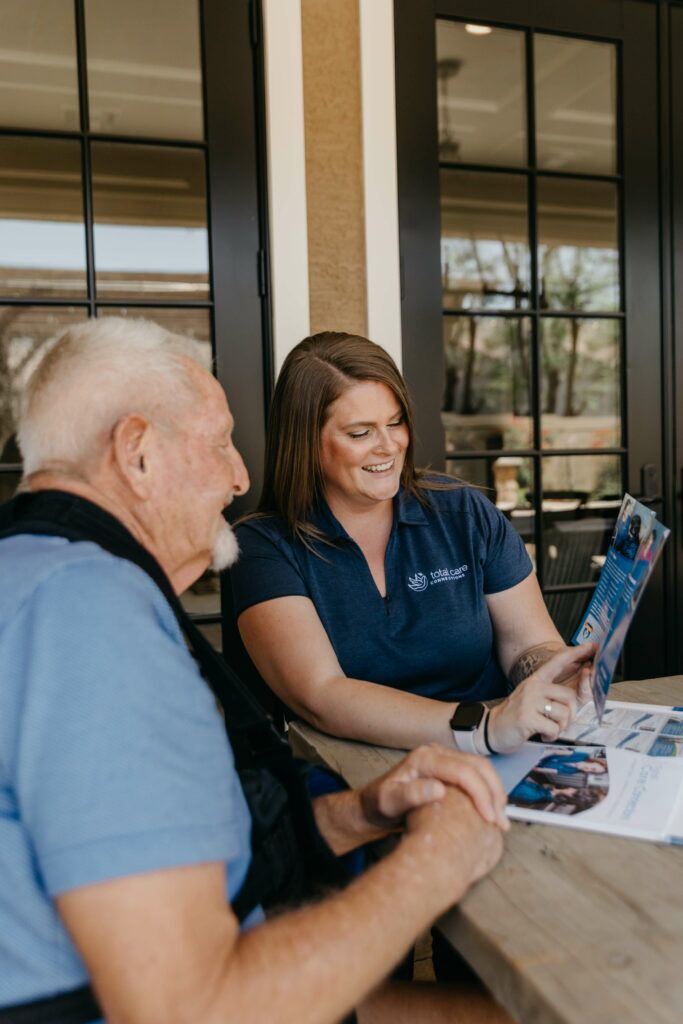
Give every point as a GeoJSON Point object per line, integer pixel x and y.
{"type": "Point", "coordinates": [259, 528]}
{"type": "Point", "coordinates": [449, 495]}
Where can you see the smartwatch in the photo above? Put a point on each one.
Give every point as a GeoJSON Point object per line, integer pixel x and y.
{"type": "Point", "coordinates": [465, 724]}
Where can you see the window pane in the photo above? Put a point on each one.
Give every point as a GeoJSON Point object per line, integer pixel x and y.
{"type": "Point", "coordinates": [150, 222]}
{"type": "Point", "coordinates": [566, 610]}
{"type": "Point", "coordinates": [575, 105]}
{"type": "Point", "coordinates": [481, 94]}
{"type": "Point", "coordinates": [578, 250]}
{"type": "Point", "coordinates": [42, 238]}
{"type": "Point", "coordinates": [194, 323]}
{"type": "Point", "coordinates": [487, 399]}
{"type": "Point", "coordinates": [144, 68]}
{"type": "Point", "coordinates": [484, 241]}
{"type": "Point", "coordinates": [23, 330]}
{"type": "Point", "coordinates": [38, 81]}
{"type": "Point", "coordinates": [581, 499]}
{"type": "Point", "coordinates": [581, 383]}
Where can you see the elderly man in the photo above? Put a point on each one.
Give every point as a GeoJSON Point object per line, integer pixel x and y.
{"type": "Point", "coordinates": [122, 820]}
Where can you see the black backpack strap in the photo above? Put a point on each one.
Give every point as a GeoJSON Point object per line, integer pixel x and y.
{"type": "Point", "coordinates": [76, 1007]}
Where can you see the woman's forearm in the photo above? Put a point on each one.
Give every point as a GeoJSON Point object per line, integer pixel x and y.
{"type": "Point", "coordinates": [359, 710]}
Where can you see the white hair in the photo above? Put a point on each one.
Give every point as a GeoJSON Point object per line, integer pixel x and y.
{"type": "Point", "coordinates": [83, 380]}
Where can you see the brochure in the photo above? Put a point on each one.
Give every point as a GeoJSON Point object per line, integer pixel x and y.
{"type": "Point", "coordinates": [645, 728]}
{"type": "Point", "coordinates": [635, 546]}
{"type": "Point", "coordinates": [601, 789]}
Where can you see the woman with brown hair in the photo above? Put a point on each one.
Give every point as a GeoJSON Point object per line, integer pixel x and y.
{"type": "Point", "coordinates": [381, 602]}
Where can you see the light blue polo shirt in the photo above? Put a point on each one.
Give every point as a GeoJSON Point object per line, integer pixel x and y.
{"type": "Point", "coordinates": [113, 758]}
{"type": "Point", "coordinates": [432, 633]}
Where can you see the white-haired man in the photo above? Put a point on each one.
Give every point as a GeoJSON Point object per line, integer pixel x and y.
{"type": "Point", "coordinates": [121, 814]}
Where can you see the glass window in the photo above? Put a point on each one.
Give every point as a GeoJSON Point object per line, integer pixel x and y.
{"type": "Point", "coordinates": [23, 331]}
{"type": "Point", "coordinates": [508, 481]}
{"type": "Point", "coordinates": [575, 105]}
{"type": "Point", "coordinates": [144, 68]}
{"type": "Point", "coordinates": [580, 383]}
{"type": "Point", "coordinates": [42, 238]}
{"type": "Point", "coordinates": [192, 322]}
{"type": "Point", "coordinates": [484, 241]}
{"type": "Point", "coordinates": [578, 249]}
{"type": "Point", "coordinates": [38, 78]}
{"type": "Point", "coordinates": [581, 499]}
{"type": "Point", "coordinates": [566, 611]}
{"type": "Point", "coordinates": [151, 239]}
{"type": "Point", "coordinates": [487, 398]}
{"type": "Point", "coordinates": [481, 94]}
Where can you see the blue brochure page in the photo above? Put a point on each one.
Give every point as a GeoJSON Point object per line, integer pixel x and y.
{"type": "Point", "coordinates": [612, 639]}
{"type": "Point", "coordinates": [633, 526]}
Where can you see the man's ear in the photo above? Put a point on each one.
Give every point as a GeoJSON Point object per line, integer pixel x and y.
{"type": "Point", "coordinates": [131, 442]}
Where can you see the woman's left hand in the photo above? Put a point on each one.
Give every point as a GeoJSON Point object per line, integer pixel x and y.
{"type": "Point", "coordinates": [543, 703]}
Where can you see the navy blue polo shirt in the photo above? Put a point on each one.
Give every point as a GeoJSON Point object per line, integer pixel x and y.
{"type": "Point", "coordinates": [432, 634]}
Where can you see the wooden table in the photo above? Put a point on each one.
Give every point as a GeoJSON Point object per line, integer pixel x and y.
{"type": "Point", "coordinates": [571, 927]}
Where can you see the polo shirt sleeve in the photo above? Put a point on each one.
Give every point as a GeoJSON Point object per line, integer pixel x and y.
{"type": "Point", "coordinates": [266, 567]}
{"type": "Point", "coordinates": [506, 561]}
{"type": "Point", "coordinates": [121, 763]}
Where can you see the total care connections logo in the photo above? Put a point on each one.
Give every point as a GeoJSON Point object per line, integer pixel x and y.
{"type": "Point", "coordinates": [420, 581]}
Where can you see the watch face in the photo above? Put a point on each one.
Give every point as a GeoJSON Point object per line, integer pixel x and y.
{"type": "Point", "coordinates": [467, 717]}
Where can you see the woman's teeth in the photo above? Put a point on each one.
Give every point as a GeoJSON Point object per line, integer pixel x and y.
{"type": "Point", "coordinates": [381, 467]}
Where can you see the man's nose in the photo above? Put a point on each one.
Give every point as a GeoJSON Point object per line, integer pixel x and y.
{"type": "Point", "coordinates": [240, 483]}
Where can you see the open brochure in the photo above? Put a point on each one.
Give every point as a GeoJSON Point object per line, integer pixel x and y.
{"type": "Point", "coordinates": [635, 546]}
{"type": "Point", "coordinates": [601, 789]}
{"type": "Point", "coordinates": [644, 728]}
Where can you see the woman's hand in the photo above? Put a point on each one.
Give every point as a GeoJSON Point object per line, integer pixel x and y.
{"type": "Point", "coordinates": [543, 703]}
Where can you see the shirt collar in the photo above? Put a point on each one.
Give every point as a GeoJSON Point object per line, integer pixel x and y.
{"type": "Point", "coordinates": [407, 511]}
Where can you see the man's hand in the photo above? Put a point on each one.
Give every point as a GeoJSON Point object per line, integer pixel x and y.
{"type": "Point", "coordinates": [423, 777]}
{"type": "Point", "coordinates": [544, 703]}
{"type": "Point", "coordinates": [454, 843]}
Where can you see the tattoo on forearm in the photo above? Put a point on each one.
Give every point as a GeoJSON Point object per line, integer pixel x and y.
{"type": "Point", "coordinates": [530, 661]}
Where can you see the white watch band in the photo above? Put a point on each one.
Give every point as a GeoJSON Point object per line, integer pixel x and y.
{"type": "Point", "coordinates": [471, 742]}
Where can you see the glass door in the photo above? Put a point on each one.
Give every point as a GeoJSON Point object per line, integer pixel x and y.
{"type": "Point", "coordinates": [539, 325]}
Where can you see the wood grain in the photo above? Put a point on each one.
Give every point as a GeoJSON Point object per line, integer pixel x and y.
{"type": "Point", "coordinates": [571, 926]}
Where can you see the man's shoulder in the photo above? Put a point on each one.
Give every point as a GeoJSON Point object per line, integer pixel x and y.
{"type": "Point", "coordinates": [31, 564]}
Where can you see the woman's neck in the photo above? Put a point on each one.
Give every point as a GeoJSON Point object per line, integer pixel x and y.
{"type": "Point", "coordinates": [366, 524]}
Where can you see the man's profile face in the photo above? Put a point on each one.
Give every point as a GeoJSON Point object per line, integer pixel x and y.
{"type": "Point", "coordinates": [202, 472]}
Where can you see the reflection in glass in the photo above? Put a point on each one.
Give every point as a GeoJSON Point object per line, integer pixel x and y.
{"type": "Point", "coordinates": [38, 81]}
{"type": "Point", "coordinates": [144, 68]}
{"type": "Point", "coordinates": [42, 238]}
{"type": "Point", "coordinates": [578, 251]}
{"type": "Point", "coordinates": [194, 323]}
{"type": "Point", "coordinates": [581, 499]}
{"type": "Point", "coordinates": [150, 222]}
{"type": "Point", "coordinates": [576, 88]}
{"type": "Point", "coordinates": [580, 383]}
{"type": "Point", "coordinates": [484, 241]}
{"type": "Point", "coordinates": [566, 610]}
{"type": "Point", "coordinates": [487, 398]}
{"type": "Point", "coordinates": [481, 95]}
{"type": "Point", "coordinates": [23, 331]}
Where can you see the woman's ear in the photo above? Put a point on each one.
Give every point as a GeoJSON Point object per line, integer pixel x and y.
{"type": "Point", "coordinates": [131, 440]}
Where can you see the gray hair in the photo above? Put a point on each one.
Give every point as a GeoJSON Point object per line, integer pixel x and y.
{"type": "Point", "coordinates": [85, 379]}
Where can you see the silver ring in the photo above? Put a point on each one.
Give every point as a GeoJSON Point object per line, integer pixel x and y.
{"type": "Point", "coordinates": [548, 710]}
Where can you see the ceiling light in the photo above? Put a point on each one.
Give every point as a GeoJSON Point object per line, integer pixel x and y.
{"type": "Point", "coordinates": [478, 30]}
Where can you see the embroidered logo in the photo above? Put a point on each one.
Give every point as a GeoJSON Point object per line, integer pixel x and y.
{"type": "Point", "coordinates": [417, 582]}
{"type": "Point", "coordinates": [420, 582]}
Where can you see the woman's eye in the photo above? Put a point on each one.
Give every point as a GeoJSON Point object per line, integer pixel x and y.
{"type": "Point", "coordinates": [362, 433]}
{"type": "Point", "coordinates": [397, 423]}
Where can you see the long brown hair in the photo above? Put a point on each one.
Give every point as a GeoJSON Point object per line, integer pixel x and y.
{"type": "Point", "coordinates": [314, 375]}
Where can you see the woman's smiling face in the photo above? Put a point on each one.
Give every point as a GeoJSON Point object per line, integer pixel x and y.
{"type": "Point", "coordinates": [363, 445]}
